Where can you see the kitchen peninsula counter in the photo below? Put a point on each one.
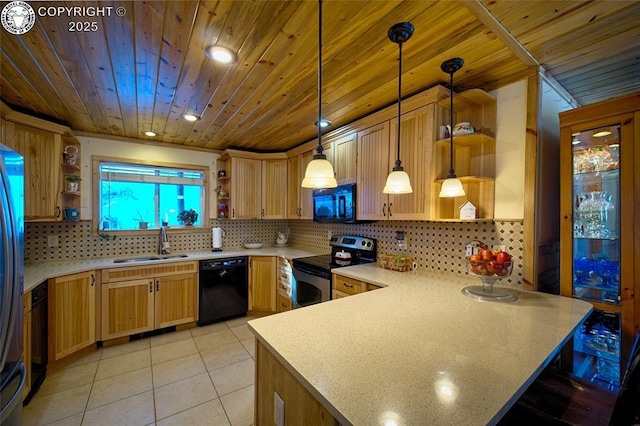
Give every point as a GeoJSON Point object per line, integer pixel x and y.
{"type": "Point", "coordinates": [415, 352]}
{"type": "Point", "coordinates": [35, 273]}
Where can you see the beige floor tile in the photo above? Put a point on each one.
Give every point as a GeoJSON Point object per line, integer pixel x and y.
{"type": "Point", "coordinates": [215, 339]}
{"type": "Point", "coordinates": [69, 421]}
{"type": "Point", "coordinates": [120, 387]}
{"type": "Point", "coordinates": [177, 369]}
{"type": "Point", "coordinates": [123, 364]}
{"type": "Point", "coordinates": [68, 378]}
{"type": "Point", "coordinates": [173, 350]}
{"type": "Point", "coordinates": [239, 406]}
{"type": "Point", "coordinates": [250, 346]}
{"type": "Point", "coordinates": [224, 355]}
{"type": "Point", "coordinates": [233, 377]}
{"type": "Point", "coordinates": [132, 411]}
{"type": "Point", "coordinates": [125, 348]}
{"type": "Point", "coordinates": [208, 329]}
{"type": "Point", "coordinates": [208, 414]}
{"type": "Point", "coordinates": [57, 406]}
{"type": "Point", "coordinates": [242, 332]}
{"type": "Point", "coordinates": [174, 336]}
{"type": "Point", "coordinates": [239, 321]}
{"type": "Point", "coordinates": [179, 396]}
{"type": "Point", "coordinates": [86, 356]}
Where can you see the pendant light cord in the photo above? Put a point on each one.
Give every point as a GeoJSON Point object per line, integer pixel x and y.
{"type": "Point", "coordinates": [452, 173]}
{"type": "Point", "coordinates": [398, 166]}
{"type": "Point", "coordinates": [319, 155]}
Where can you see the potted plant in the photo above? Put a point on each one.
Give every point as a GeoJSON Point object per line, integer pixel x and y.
{"type": "Point", "coordinates": [72, 182]}
{"type": "Point", "coordinates": [188, 217]}
{"type": "Point", "coordinates": [142, 219]}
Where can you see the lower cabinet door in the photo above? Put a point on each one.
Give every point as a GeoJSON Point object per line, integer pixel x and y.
{"type": "Point", "coordinates": [127, 308]}
{"type": "Point", "coordinates": [72, 314]}
{"type": "Point", "coordinates": [175, 300]}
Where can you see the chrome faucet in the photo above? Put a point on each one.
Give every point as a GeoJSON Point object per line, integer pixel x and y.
{"type": "Point", "coordinates": [163, 241]}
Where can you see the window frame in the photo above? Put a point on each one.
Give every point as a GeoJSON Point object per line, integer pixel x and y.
{"type": "Point", "coordinates": [204, 198]}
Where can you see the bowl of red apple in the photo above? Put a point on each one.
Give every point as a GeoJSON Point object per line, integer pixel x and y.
{"type": "Point", "coordinates": [490, 263]}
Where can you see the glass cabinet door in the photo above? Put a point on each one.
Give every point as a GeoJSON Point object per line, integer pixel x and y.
{"type": "Point", "coordinates": [596, 215]}
{"type": "Point", "coordinates": [596, 251]}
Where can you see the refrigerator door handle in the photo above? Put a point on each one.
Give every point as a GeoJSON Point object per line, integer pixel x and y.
{"type": "Point", "coordinates": [17, 396]}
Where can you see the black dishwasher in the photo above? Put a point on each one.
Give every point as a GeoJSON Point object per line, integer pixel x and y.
{"type": "Point", "coordinates": [223, 289]}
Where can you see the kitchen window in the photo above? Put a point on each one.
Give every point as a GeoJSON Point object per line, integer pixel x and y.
{"type": "Point", "coordinates": [134, 196]}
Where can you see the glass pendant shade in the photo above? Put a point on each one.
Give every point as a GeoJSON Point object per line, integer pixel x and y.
{"type": "Point", "coordinates": [398, 183]}
{"type": "Point", "coordinates": [451, 187]}
{"type": "Point", "coordinates": [319, 174]}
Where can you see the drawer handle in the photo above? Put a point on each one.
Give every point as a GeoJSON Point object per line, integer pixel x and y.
{"type": "Point", "coordinates": [283, 305]}
{"type": "Point", "coordinates": [390, 206]}
{"type": "Point", "coordinates": [347, 285]}
{"type": "Point", "coordinates": [157, 285]}
{"type": "Point", "coordinates": [384, 207]}
{"type": "Point", "coordinates": [93, 280]}
{"type": "Point", "coordinates": [150, 286]}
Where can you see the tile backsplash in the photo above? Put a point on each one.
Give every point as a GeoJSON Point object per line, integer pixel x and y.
{"type": "Point", "coordinates": [437, 246]}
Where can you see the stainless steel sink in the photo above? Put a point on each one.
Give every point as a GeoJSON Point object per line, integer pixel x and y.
{"type": "Point", "coordinates": [149, 258]}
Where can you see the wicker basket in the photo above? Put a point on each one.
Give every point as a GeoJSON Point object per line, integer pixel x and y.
{"type": "Point", "coordinates": [396, 262]}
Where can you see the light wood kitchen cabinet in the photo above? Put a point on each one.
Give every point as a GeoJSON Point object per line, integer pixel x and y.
{"type": "Point", "coordinates": [274, 196]}
{"type": "Point", "coordinates": [377, 153]}
{"type": "Point", "coordinates": [42, 151]}
{"type": "Point", "coordinates": [245, 188]}
{"type": "Point", "coordinates": [283, 302]}
{"type": "Point", "coordinates": [345, 286]}
{"type": "Point", "coordinates": [473, 156]}
{"type": "Point", "coordinates": [373, 167]}
{"type": "Point", "coordinates": [344, 158]}
{"type": "Point", "coordinates": [262, 283]}
{"type": "Point", "coordinates": [299, 199]}
{"type": "Point", "coordinates": [72, 314]}
{"type": "Point", "coordinates": [127, 308]}
{"type": "Point", "coordinates": [135, 300]}
{"type": "Point", "coordinates": [252, 184]}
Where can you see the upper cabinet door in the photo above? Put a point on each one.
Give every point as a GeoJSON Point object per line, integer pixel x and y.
{"type": "Point", "coordinates": [245, 188]}
{"type": "Point", "coordinates": [42, 151]}
{"type": "Point", "coordinates": [344, 160]}
{"type": "Point", "coordinates": [274, 195]}
{"type": "Point", "coordinates": [373, 167]}
{"type": "Point", "coordinates": [416, 146]}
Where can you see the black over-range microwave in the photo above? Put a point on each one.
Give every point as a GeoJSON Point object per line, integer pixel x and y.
{"type": "Point", "coordinates": [335, 204]}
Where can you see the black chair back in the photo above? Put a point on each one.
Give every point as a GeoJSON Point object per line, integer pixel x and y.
{"type": "Point", "coordinates": [626, 412]}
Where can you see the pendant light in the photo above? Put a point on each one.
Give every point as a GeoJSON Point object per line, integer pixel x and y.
{"type": "Point", "coordinates": [319, 173]}
{"type": "Point", "coordinates": [398, 180]}
{"type": "Point", "coordinates": [451, 187]}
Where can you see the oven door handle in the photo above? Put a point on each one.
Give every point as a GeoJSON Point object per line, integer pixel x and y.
{"type": "Point", "coordinates": [308, 271]}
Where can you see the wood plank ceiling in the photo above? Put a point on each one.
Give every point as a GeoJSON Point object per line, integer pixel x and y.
{"type": "Point", "coordinates": [141, 71]}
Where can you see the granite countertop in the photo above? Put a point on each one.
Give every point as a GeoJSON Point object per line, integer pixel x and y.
{"type": "Point", "coordinates": [419, 351]}
{"type": "Point", "coordinates": [36, 273]}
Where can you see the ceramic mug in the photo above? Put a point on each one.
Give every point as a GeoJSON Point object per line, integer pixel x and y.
{"type": "Point", "coordinates": [71, 213]}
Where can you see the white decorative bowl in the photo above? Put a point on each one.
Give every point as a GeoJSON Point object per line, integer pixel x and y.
{"type": "Point", "coordinates": [253, 245]}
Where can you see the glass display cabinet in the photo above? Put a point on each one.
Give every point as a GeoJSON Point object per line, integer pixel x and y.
{"type": "Point", "coordinates": [597, 234]}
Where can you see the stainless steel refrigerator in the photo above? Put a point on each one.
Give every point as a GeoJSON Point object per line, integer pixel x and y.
{"type": "Point", "coordinates": [12, 367]}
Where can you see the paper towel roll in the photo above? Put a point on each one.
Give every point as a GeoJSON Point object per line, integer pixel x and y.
{"type": "Point", "coordinates": [216, 238]}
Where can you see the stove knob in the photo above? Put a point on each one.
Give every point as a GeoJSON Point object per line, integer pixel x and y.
{"type": "Point", "coordinates": [363, 243]}
{"type": "Point", "coordinates": [369, 244]}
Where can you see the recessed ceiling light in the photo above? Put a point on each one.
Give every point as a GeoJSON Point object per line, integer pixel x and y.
{"type": "Point", "coordinates": [323, 123]}
{"type": "Point", "coordinates": [221, 54]}
{"type": "Point", "coordinates": [601, 133]}
{"type": "Point", "coordinates": [150, 134]}
{"type": "Point", "coordinates": [190, 117]}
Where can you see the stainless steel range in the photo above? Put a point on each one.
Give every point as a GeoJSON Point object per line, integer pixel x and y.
{"type": "Point", "coordinates": [312, 275]}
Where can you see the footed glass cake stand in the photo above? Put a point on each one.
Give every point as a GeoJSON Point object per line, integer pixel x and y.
{"type": "Point", "coordinates": [487, 291]}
